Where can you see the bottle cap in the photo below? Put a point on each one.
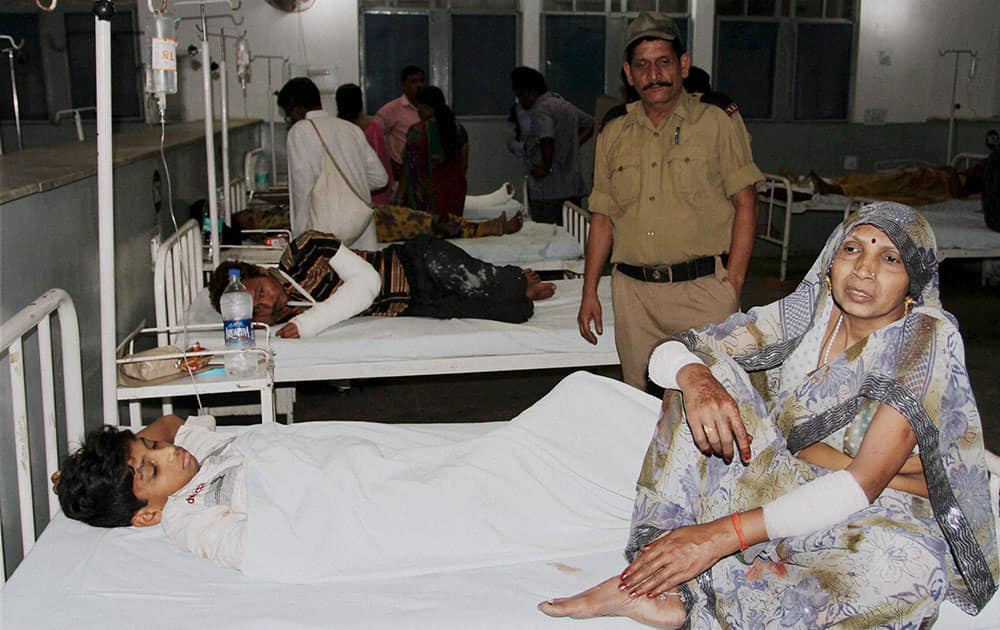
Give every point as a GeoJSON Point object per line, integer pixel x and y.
{"type": "Point", "coordinates": [234, 273]}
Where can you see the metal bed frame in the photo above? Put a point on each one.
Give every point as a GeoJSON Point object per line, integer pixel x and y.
{"type": "Point", "coordinates": [776, 208]}
{"type": "Point", "coordinates": [179, 276]}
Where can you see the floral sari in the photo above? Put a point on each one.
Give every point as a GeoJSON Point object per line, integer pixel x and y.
{"type": "Point", "coordinates": [891, 564]}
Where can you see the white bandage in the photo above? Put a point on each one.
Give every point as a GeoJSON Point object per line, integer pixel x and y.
{"type": "Point", "coordinates": [818, 504]}
{"type": "Point", "coordinates": [360, 287]}
{"type": "Point", "coordinates": [667, 360]}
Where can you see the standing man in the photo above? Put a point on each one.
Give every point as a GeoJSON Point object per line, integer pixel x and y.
{"type": "Point", "coordinates": [398, 115]}
{"type": "Point", "coordinates": [673, 195]}
{"type": "Point", "coordinates": [551, 146]}
{"type": "Point", "coordinates": [300, 101]}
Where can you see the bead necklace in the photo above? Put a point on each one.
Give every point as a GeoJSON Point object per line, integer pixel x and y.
{"type": "Point", "coordinates": [833, 337]}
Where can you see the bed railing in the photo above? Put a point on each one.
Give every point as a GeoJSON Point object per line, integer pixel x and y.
{"type": "Point", "coordinates": [576, 221]}
{"type": "Point", "coordinates": [178, 275]}
{"type": "Point", "coordinates": [36, 320]}
{"type": "Point", "coordinates": [962, 161]}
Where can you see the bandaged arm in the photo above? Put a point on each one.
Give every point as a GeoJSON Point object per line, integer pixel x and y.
{"type": "Point", "coordinates": [667, 360]}
{"type": "Point", "coordinates": [816, 505]}
{"type": "Point", "coordinates": [359, 287]}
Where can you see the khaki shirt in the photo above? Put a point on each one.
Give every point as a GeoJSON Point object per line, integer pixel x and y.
{"type": "Point", "coordinates": [667, 189]}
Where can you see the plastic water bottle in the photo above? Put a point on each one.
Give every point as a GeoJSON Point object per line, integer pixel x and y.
{"type": "Point", "coordinates": [237, 321]}
{"type": "Point", "coordinates": [262, 173]}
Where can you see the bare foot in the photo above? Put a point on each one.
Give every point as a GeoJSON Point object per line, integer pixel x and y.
{"type": "Point", "coordinates": [823, 187]}
{"type": "Point", "coordinates": [605, 600]}
{"type": "Point", "coordinates": [536, 289]}
{"type": "Point", "coordinates": [514, 224]}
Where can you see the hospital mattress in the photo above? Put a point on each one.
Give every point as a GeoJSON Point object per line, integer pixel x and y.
{"type": "Point", "coordinates": [389, 344]}
{"type": "Point", "coordinates": [539, 245]}
{"type": "Point", "coordinates": [960, 229]}
{"type": "Point", "coordinates": [592, 431]}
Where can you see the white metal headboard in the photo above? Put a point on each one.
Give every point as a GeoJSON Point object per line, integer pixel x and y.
{"type": "Point", "coordinates": [178, 275]}
{"type": "Point", "coordinates": [37, 317]}
{"type": "Point", "coordinates": [576, 221]}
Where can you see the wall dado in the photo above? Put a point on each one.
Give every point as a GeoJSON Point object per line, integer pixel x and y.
{"type": "Point", "coordinates": [49, 239]}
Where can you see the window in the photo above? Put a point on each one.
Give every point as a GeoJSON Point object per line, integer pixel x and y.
{"type": "Point", "coordinates": [584, 41]}
{"type": "Point", "coordinates": [28, 75]}
{"type": "Point", "coordinates": [467, 48]}
{"type": "Point", "coordinates": [125, 89]}
{"type": "Point", "coordinates": [786, 59]}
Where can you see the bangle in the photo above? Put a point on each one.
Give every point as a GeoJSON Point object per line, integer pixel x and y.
{"type": "Point", "coordinates": [738, 526]}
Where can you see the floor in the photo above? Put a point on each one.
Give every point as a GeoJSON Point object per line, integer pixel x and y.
{"type": "Point", "coordinates": [501, 396]}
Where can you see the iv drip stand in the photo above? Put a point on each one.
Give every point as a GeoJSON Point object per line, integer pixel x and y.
{"type": "Point", "coordinates": [10, 50]}
{"type": "Point", "coordinates": [952, 105]}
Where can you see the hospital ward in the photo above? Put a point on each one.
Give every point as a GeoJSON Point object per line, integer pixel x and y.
{"type": "Point", "coordinates": [499, 314]}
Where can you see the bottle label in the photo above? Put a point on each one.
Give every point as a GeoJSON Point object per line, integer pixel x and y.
{"type": "Point", "coordinates": [239, 332]}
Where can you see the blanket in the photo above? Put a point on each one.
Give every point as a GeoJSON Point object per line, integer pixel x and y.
{"type": "Point", "coordinates": [557, 480]}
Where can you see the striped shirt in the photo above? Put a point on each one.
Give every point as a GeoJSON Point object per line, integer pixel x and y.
{"type": "Point", "coordinates": [307, 260]}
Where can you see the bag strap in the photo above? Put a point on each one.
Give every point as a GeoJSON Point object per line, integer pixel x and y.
{"type": "Point", "coordinates": [334, 160]}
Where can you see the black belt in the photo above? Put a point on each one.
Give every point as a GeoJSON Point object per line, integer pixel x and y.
{"type": "Point", "coordinates": [679, 272]}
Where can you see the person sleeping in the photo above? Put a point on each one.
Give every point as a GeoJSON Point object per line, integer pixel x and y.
{"type": "Point", "coordinates": [319, 283]}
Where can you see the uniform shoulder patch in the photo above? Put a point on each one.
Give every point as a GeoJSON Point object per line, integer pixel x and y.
{"type": "Point", "coordinates": [721, 101]}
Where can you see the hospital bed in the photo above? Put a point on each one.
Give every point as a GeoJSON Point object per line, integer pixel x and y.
{"type": "Point", "coordinates": [382, 347]}
{"type": "Point", "coordinates": [540, 246]}
{"type": "Point", "coordinates": [570, 460]}
{"type": "Point", "coordinates": [955, 221]}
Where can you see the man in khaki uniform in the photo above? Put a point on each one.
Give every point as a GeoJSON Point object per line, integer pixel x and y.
{"type": "Point", "coordinates": [673, 195]}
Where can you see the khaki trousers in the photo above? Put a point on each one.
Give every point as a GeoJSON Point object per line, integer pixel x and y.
{"type": "Point", "coordinates": [647, 313]}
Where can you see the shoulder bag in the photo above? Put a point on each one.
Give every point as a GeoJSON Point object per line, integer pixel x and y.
{"type": "Point", "coordinates": [337, 208]}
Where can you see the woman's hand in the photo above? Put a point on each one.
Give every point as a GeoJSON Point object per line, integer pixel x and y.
{"type": "Point", "coordinates": [676, 557]}
{"type": "Point", "coordinates": [712, 414]}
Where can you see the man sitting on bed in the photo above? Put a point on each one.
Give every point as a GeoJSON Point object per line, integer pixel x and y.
{"type": "Point", "coordinates": [423, 277]}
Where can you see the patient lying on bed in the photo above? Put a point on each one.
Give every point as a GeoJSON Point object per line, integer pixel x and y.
{"type": "Point", "coordinates": [117, 479]}
{"type": "Point", "coordinates": [395, 223]}
{"type": "Point", "coordinates": [352, 501]}
{"type": "Point", "coordinates": [319, 283]}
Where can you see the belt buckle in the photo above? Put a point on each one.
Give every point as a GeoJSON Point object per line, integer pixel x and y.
{"type": "Point", "coordinates": [656, 275]}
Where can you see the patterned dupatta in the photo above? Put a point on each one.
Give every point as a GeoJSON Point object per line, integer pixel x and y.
{"type": "Point", "coordinates": [915, 365]}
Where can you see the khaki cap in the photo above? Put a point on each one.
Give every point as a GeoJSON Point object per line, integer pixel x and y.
{"type": "Point", "coordinates": [652, 24]}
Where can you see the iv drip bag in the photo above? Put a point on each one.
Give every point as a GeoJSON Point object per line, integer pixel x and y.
{"type": "Point", "coordinates": [161, 78]}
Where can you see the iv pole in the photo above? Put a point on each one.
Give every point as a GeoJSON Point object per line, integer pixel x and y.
{"type": "Point", "coordinates": [952, 105]}
{"type": "Point", "coordinates": [206, 80]}
{"type": "Point", "coordinates": [270, 117]}
{"type": "Point", "coordinates": [11, 50]}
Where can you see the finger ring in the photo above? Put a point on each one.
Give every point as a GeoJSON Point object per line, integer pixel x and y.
{"type": "Point", "coordinates": [708, 430]}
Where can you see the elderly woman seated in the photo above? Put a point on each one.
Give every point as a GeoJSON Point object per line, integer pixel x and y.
{"type": "Point", "coordinates": [861, 496]}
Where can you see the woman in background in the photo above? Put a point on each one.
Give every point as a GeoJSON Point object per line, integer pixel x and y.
{"type": "Point", "coordinates": [351, 108]}
{"type": "Point", "coordinates": [435, 159]}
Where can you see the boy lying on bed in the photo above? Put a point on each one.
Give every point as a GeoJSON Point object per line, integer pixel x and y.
{"type": "Point", "coordinates": [423, 277]}
{"type": "Point", "coordinates": [117, 479]}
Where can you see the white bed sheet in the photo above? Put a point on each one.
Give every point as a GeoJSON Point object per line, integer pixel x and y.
{"type": "Point", "coordinates": [540, 245]}
{"type": "Point", "coordinates": [595, 429]}
{"type": "Point", "coordinates": [960, 229]}
{"type": "Point", "coordinates": [89, 578]}
{"type": "Point", "coordinates": [533, 243]}
{"type": "Point", "coordinates": [552, 329]}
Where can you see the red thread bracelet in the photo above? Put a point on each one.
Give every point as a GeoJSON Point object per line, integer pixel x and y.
{"type": "Point", "coordinates": [738, 526]}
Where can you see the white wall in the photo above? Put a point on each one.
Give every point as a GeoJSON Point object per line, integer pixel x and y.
{"type": "Point", "coordinates": [916, 83]}
{"type": "Point", "coordinates": [914, 86]}
{"type": "Point", "coordinates": [325, 36]}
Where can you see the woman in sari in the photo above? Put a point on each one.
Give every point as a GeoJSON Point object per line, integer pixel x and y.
{"type": "Point", "coordinates": [861, 498]}
{"type": "Point", "coordinates": [435, 159]}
